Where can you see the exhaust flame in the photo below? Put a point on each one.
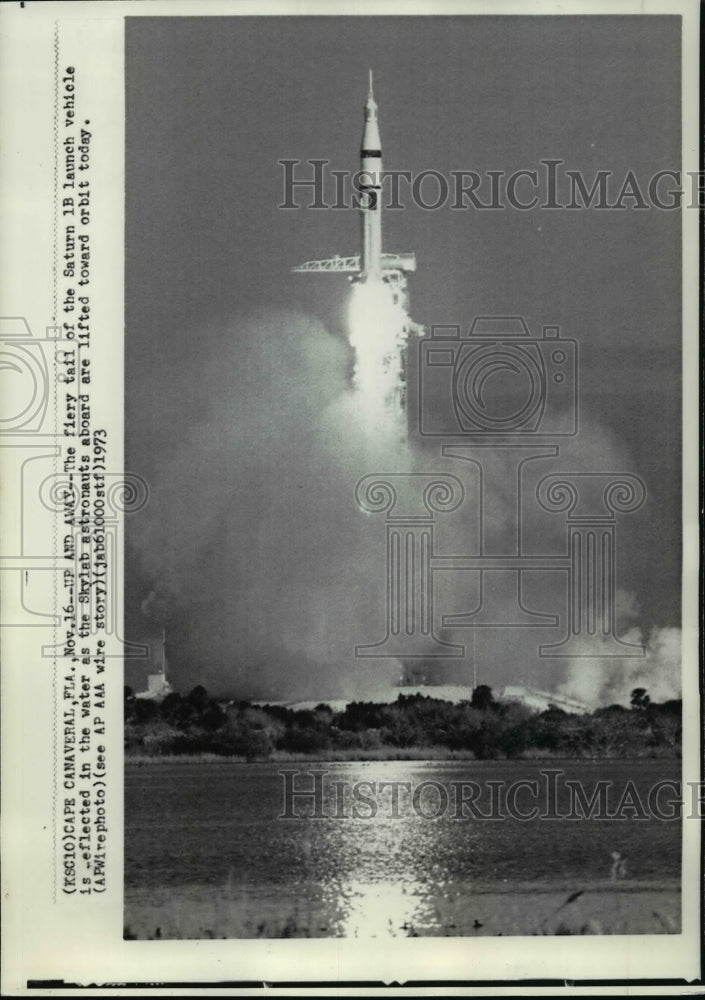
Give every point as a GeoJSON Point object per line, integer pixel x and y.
{"type": "Point", "coordinates": [377, 325]}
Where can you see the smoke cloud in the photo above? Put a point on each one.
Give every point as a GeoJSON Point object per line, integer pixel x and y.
{"type": "Point", "coordinates": [604, 682]}
{"type": "Point", "coordinates": [267, 574]}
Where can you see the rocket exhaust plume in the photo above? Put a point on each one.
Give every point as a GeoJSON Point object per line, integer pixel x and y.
{"type": "Point", "coordinates": [378, 326]}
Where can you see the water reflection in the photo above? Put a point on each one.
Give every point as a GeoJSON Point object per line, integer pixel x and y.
{"type": "Point", "coordinates": [208, 854]}
{"type": "Point", "coordinates": [381, 909]}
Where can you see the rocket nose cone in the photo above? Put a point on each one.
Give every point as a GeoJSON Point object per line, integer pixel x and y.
{"type": "Point", "coordinates": [370, 103]}
{"type": "Point", "coordinates": [370, 135]}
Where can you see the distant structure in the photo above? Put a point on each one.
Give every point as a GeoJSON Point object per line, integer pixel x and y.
{"type": "Point", "coordinates": [158, 686]}
{"type": "Point", "coordinates": [412, 676]}
{"type": "Point", "coordinates": [541, 700]}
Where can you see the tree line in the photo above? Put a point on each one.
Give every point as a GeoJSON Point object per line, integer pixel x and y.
{"type": "Point", "coordinates": [482, 727]}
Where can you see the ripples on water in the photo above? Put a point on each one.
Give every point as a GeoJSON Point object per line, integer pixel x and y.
{"type": "Point", "coordinates": [213, 830]}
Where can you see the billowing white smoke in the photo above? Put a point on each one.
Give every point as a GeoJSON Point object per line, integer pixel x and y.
{"type": "Point", "coordinates": [264, 569]}
{"type": "Point", "coordinates": [599, 682]}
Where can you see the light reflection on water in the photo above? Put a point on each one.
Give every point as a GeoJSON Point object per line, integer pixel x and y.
{"type": "Point", "coordinates": [380, 909]}
{"type": "Point", "coordinates": [210, 835]}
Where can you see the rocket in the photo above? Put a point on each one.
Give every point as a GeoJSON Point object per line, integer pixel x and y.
{"type": "Point", "coordinates": [370, 181]}
{"type": "Point", "coordinates": [371, 264]}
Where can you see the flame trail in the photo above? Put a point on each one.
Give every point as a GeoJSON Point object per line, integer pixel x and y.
{"type": "Point", "coordinates": [377, 331]}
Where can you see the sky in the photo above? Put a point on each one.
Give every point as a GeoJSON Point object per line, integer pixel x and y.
{"type": "Point", "coordinates": [238, 371]}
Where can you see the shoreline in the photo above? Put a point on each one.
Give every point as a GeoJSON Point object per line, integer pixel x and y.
{"type": "Point", "coordinates": [433, 755]}
{"type": "Point", "coordinates": [480, 910]}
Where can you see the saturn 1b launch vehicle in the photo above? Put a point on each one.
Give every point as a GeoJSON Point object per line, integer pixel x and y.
{"type": "Point", "coordinates": [371, 264]}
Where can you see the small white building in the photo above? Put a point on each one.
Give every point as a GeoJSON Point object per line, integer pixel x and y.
{"type": "Point", "coordinates": [158, 686]}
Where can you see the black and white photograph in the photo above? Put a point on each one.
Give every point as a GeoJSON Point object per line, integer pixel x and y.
{"type": "Point", "coordinates": [349, 544]}
{"type": "Point", "coordinates": [403, 357]}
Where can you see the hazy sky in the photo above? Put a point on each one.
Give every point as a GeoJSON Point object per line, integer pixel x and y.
{"type": "Point", "coordinates": [216, 323]}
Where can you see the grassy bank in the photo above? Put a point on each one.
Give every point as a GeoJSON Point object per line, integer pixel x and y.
{"type": "Point", "coordinates": [527, 910]}
{"type": "Point", "coordinates": [434, 753]}
{"type": "Point", "coordinates": [290, 757]}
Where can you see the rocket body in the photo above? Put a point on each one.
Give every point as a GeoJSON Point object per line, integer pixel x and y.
{"type": "Point", "coordinates": [370, 264]}
{"type": "Point", "coordinates": [371, 192]}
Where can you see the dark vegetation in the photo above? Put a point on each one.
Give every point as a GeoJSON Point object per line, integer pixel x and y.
{"type": "Point", "coordinates": [481, 727]}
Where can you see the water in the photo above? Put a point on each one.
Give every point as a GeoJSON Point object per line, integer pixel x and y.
{"type": "Point", "coordinates": [212, 833]}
